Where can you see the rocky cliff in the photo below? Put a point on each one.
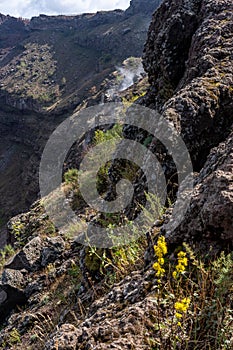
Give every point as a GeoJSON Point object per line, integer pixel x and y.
{"type": "Point", "coordinates": [77, 297]}
{"type": "Point", "coordinates": [189, 68]}
{"type": "Point", "coordinates": [188, 57]}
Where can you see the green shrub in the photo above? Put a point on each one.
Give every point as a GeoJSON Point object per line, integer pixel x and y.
{"type": "Point", "coordinates": [71, 176]}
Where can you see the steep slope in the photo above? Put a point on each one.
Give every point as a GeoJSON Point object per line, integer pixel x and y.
{"type": "Point", "coordinates": [191, 77]}
{"type": "Point", "coordinates": [49, 65]}
{"type": "Point", "coordinates": [79, 297]}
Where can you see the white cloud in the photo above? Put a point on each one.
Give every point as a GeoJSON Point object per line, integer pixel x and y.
{"type": "Point", "coordinates": [29, 8]}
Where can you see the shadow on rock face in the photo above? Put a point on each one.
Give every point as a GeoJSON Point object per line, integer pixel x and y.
{"type": "Point", "coordinates": [10, 298]}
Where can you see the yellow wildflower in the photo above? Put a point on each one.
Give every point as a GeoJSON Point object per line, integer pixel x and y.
{"type": "Point", "coordinates": [159, 270]}
{"type": "Point", "coordinates": [181, 307]}
{"type": "Point", "coordinates": [182, 263]}
{"type": "Point", "coordinates": [160, 250]}
{"type": "Point", "coordinates": [161, 247]}
{"type": "Point", "coordinates": [182, 259]}
{"type": "Point", "coordinates": [161, 261]}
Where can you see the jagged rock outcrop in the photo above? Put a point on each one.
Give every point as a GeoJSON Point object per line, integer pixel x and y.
{"type": "Point", "coordinates": [191, 77]}
{"type": "Point", "coordinates": [195, 61]}
{"type": "Point", "coordinates": [35, 254]}
{"type": "Point", "coordinates": [209, 220]}
{"type": "Point", "coordinates": [29, 257]}
{"type": "Point", "coordinates": [188, 57]}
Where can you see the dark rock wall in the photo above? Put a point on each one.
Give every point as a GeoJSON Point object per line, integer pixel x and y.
{"type": "Point", "coordinates": [188, 57]}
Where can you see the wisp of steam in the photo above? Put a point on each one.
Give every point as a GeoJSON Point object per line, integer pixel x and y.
{"type": "Point", "coordinates": [126, 75]}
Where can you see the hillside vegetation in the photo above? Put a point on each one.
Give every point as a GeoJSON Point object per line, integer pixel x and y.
{"type": "Point", "coordinates": [172, 286]}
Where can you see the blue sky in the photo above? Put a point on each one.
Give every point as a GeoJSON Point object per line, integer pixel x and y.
{"type": "Point", "coordinates": [29, 8]}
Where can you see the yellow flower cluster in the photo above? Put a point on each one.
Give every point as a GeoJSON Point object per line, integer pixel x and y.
{"type": "Point", "coordinates": [160, 250]}
{"type": "Point", "coordinates": [161, 247]}
{"type": "Point", "coordinates": [182, 263]}
{"type": "Point", "coordinates": [181, 307]}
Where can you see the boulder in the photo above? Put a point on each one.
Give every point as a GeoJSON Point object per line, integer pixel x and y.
{"type": "Point", "coordinates": [29, 257]}
{"type": "Point", "coordinates": [37, 254]}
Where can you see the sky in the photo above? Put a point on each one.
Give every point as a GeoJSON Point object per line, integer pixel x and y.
{"type": "Point", "coordinates": [30, 8]}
